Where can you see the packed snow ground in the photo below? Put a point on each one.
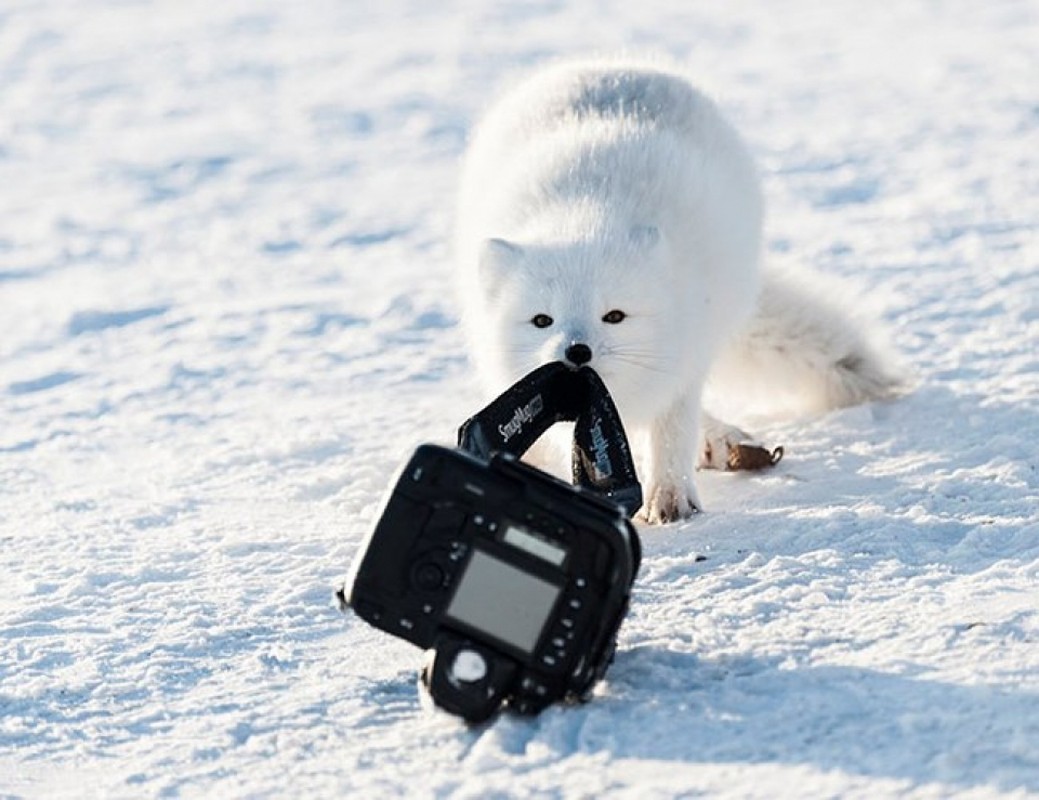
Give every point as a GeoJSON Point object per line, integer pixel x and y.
{"type": "Point", "coordinates": [224, 322]}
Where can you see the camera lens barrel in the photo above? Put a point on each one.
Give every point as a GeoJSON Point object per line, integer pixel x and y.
{"type": "Point", "coordinates": [467, 679]}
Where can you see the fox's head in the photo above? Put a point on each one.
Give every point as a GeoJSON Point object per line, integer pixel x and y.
{"type": "Point", "coordinates": [609, 303]}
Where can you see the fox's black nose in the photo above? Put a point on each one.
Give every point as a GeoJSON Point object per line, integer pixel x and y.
{"type": "Point", "coordinates": [578, 353]}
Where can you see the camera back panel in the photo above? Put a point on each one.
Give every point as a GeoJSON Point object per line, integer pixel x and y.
{"type": "Point", "coordinates": [501, 554]}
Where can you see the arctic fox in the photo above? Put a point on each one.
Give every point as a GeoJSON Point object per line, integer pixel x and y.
{"type": "Point", "coordinates": [609, 215]}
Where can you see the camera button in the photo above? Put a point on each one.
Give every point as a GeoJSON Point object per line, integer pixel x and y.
{"type": "Point", "coordinates": [458, 551]}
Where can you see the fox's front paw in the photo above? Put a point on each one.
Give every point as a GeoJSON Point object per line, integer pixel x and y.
{"type": "Point", "coordinates": [667, 502]}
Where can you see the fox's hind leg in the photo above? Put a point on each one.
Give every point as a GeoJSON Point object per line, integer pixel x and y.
{"type": "Point", "coordinates": [727, 447]}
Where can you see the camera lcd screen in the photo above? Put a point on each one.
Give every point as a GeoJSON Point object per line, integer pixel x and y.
{"type": "Point", "coordinates": [535, 545]}
{"type": "Point", "coordinates": [502, 601]}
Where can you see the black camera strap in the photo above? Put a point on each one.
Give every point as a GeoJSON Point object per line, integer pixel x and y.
{"type": "Point", "coordinates": [600, 457]}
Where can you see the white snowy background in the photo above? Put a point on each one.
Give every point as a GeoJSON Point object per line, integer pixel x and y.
{"type": "Point", "coordinates": [225, 319]}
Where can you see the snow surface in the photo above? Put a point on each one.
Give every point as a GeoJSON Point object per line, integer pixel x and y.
{"type": "Point", "coordinates": [224, 321]}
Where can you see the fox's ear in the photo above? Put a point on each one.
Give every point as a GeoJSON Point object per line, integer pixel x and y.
{"type": "Point", "coordinates": [644, 237]}
{"type": "Point", "coordinates": [497, 257]}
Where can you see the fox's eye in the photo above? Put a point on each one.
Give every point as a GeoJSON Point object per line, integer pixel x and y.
{"type": "Point", "coordinates": [613, 317]}
{"type": "Point", "coordinates": [541, 320]}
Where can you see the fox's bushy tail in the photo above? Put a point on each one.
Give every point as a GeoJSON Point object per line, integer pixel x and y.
{"type": "Point", "coordinates": [808, 348]}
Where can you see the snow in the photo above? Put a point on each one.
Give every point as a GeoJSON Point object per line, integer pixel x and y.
{"type": "Point", "coordinates": [224, 323]}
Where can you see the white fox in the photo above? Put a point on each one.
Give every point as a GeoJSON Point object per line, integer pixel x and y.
{"type": "Point", "coordinates": [608, 215]}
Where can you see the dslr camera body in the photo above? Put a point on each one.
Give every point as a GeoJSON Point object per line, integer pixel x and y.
{"type": "Point", "coordinates": [515, 581]}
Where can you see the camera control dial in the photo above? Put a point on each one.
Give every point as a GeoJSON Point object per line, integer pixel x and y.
{"type": "Point", "coordinates": [429, 576]}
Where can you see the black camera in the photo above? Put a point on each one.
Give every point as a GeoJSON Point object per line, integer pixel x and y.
{"type": "Point", "coordinates": [517, 582]}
